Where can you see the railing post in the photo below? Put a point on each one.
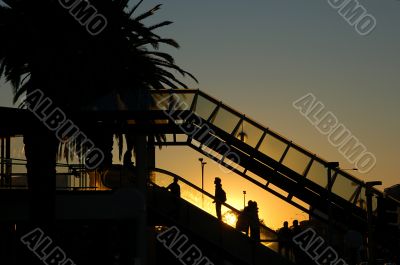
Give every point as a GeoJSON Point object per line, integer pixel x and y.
{"type": "Point", "coordinates": [142, 166]}
{"type": "Point", "coordinates": [2, 154]}
{"type": "Point", "coordinates": [151, 153]}
{"type": "Point", "coordinates": [9, 162]}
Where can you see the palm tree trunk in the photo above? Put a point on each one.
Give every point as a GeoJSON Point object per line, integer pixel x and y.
{"type": "Point", "coordinates": [102, 137]}
{"type": "Point", "coordinates": [40, 150]}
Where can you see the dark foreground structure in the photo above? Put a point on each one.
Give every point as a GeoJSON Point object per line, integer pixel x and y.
{"type": "Point", "coordinates": [120, 215]}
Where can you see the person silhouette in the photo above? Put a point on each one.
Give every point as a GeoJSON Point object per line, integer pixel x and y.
{"type": "Point", "coordinates": [220, 197]}
{"type": "Point", "coordinates": [243, 222]}
{"type": "Point", "coordinates": [299, 256]}
{"type": "Point", "coordinates": [175, 190]}
{"type": "Point", "coordinates": [254, 221]}
{"type": "Point", "coordinates": [284, 235]}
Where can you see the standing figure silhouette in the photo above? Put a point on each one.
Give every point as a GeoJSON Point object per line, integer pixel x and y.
{"type": "Point", "coordinates": [220, 197]}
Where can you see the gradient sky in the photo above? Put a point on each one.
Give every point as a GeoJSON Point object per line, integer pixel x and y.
{"type": "Point", "coordinates": [260, 56]}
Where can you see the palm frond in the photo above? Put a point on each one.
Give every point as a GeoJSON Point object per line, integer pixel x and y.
{"type": "Point", "coordinates": [148, 13]}
{"type": "Point", "coordinates": [26, 86]}
{"type": "Point", "coordinates": [159, 25]}
{"type": "Point", "coordinates": [127, 56]}
{"type": "Point", "coordinates": [135, 7]}
{"type": "Point", "coordinates": [167, 57]}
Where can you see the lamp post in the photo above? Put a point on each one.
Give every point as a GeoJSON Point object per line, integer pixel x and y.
{"type": "Point", "coordinates": [242, 136]}
{"type": "Point", "coordinates": [202, 180]}
{"type": "Point", "coordinates": [371, 245]}
{"type": "Point", "coordinates": [2, 157]}
{"type": "Point", "coordinates": [244, 199]}
{"type": "Point", "coordinates": [330, 166]}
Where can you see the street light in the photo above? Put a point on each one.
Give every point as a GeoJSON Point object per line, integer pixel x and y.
{"type": "Point", "coordinates": [202, 180]}
{"type": "Point", "coordinates": [244, 199]}
{"type": "Point", "coordinates": [242, 136]}
{"type": "Point", "coordinates": [330, 166]}
{"type": "Point", "coordinates": [368, 195]}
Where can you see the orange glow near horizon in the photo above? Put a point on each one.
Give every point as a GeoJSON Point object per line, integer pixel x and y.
{"type": "Point", "coordinates": [183, 161]}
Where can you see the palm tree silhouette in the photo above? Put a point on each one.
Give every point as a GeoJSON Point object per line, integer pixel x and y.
{"type": "Point", "coordinates": [44, 47]}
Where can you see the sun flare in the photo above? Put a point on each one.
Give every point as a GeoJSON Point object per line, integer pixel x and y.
{"type": "Point", "coordinates": [230, 218]}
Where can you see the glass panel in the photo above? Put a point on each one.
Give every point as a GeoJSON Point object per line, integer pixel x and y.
{"type": "Point", "coordinates": [160, 101]}
{"type": "Point", "coordinates": [181, 137]}
{"type": "Point", "coordinates": [318, 174]}
{"type": "Point", "coordinates": [204, 107]}
{"type": "Point", "coordinates": [182, 101]}
{"type": "Point", "coordinates": [178, 101]}
{"type": "Point", "coordinates": [278, 190]}
{"type": "Point", "coordinates": [272, 147]}
{"type": "Point", "coordinates": [255, 177]}
{"type": "Point", "coordinates": [249, 133]}
{"type": "Point", "coordinates": [344, 187]}
{"type": "Point", "coordinates": [226, 120]}
{"type": "Point", "coordinates": [301, 203]}
{"type": "Point", "coordinates": [296, 160]}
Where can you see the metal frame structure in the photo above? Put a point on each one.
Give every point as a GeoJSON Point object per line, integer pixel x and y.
{"type": "Point", "coordinates": [267, 154]}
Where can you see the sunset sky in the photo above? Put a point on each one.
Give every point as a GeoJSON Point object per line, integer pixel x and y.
{"type": "Point", "coordinates": [259, 57]}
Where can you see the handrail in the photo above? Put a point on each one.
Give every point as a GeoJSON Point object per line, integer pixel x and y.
{"type": "Point", "coordinates": [252, 246]}
{"type": "Point", "coordinates": [10, 160]}
{"type": "Point", "coordinates": [69, 170]}
{"type": "Point", "coordinates": [163, 171]}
